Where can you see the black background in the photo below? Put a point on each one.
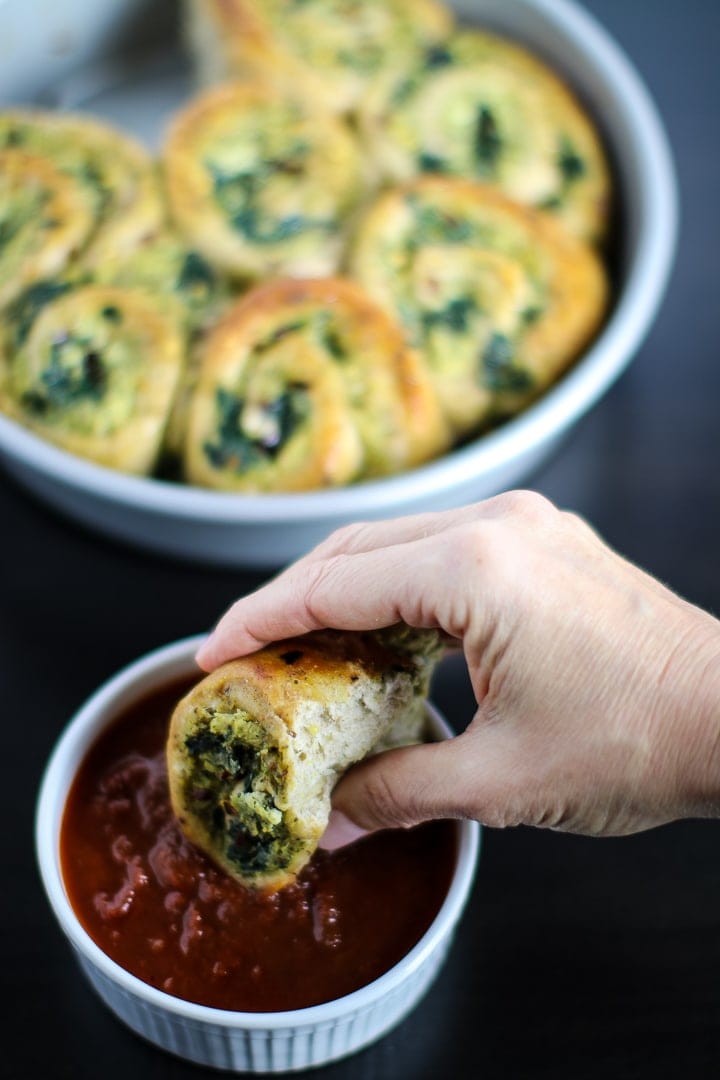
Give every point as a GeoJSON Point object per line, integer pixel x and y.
{"type": "Point", "coordinates": [576, 958]}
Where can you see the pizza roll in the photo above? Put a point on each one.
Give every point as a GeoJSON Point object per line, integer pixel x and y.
{"type": "Point", "coordinates": [483, 108]}
{"type": "Point", "coordinates": [94, 371]}
{"type": "Point", "coordinates": [308, 384]}
{"type": "Point", "coordinates": [117, 176]}
{"type": "Point", "coordinates": [183, 284]}
{"type": "Point", "coordinates": [499, 299]}
{"type": "Point", "coordinates": [325, 51]}
{"type": "Point", "coordinates": [255, 748]}
{"type": "Point", "coordinates": [259, 185]}
{"type": "Point", "coordinates": [44, 221]}
{"type": "Point", "coordinates": [181, 278]}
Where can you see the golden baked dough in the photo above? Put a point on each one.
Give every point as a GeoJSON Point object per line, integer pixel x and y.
{"type": "Point", "coordinates": [307, 384]}
{"type": "Point", "coordinates": [482, 107]}
{"type": "Point", "coordinates": [117, 175]}
{"type": "Point", "coordinates": [44, 221]}
{"type": "Point", "coordinates": [255, 749]}
{"type": "Point", "coordinates": [498, 298]}
{"type": "Point", "coordinates": [92, 369]}
{"type": "Point", "coordinates": [326, 51]}
{"type": "Point", "coordinates": [259, 185]}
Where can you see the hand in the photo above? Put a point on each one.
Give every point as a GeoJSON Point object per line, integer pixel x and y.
{"type": "Point", "coordinates": [598, 689]}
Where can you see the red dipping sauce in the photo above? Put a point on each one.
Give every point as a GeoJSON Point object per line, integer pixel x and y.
{"type": "Point", "coordinates": [162, 910]}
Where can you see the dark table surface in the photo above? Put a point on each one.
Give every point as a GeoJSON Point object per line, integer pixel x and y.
{"type": "Point", "coordinates": [577, 958]}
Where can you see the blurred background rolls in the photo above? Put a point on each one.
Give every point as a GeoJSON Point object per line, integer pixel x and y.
{"type": "Point", "coordinates": [93, 369]}
{"type": "Point", "coordinates": [482, 107]}
{"type": "Point", "coordinates": [118, 176]}
{"type": "Point", "coordinates": [308, 384]}
{"type": "Point", "coordinates": [326, 52]}
{"type": "Point", "coordinates": [259, 185]}
{"type": "Point", "coordinates": [497, 298]}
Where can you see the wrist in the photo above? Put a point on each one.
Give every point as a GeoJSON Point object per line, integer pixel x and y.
{"type": "Point", "coordinates": [694, 723]}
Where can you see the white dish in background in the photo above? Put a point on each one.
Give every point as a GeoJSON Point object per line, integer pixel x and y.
{"type": "Point", "coordinates": [271, 530]}
{"type": "Point", "coordinates": [219, 1038]}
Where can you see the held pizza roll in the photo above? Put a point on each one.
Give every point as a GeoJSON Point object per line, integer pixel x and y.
{"type": "Point", "coordinates": [116, 175]}
{"type": "Point", "coordinates": [44, 221]}
{"type": "Point", "coordinates": [483, 108]}
{"type": "Point", "coordinates": [259, 185]}
{"type": "Point", "coordinates": [255, 749]}
{"type": "Point", "coordinates": [93, 369]}
{"type": "Point", "coordinates": [326, 51]}
{"type": "Point", "coordinates": [498, 298]}
{"type": "Point", "coordinates": [308, 384]}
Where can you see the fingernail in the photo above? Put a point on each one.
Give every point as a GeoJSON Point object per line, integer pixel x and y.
{"type": "Point", "coordinates": [340, 832]}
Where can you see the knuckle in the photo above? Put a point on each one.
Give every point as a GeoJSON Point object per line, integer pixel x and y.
{"type": "Point", "coordinates": [312, 586]}
{"type": "Point", "coordinates": [527, 505]}
{"type": "Point", "coordinates": [478, 545]}
{"type": "Point", "coordinates": [340, 540]}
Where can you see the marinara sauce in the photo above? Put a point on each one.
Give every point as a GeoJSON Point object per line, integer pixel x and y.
{"type": "Point", "coordinates": [163, 911]}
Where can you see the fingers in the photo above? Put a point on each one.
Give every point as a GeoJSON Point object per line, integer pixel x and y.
{"type": "Point", "coordinates": [346, 592]}
{"type": "Point", "coordinates": [370, 535]}
{"type": "Point", "coordinates": [367, 576]}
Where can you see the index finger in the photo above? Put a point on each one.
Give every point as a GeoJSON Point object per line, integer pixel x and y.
{"type": "Point", "coordinates": [363, 591]}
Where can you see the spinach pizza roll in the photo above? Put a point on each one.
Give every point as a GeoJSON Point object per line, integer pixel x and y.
{"type": "Point", "coordinates": [44, 221]}
{"type": "Point", "coordinates": [255, 748]}
{"type": "Point", "coordinates": [482, 107]}
{"type": "Point", "coordinates": [260, 185]}
{"type": "Point", "coordinates": [117, 176]}
{"type": "Point", "coordinates": [308, 384]}
{"type": "Point", "coordinates": [326, 51]}
{"type": "Point", "coordinates": [93, 370]}
{"type": "Point", "coordinates": [499, 299]}
{"type": "Point", "coordinates": [188, 288]}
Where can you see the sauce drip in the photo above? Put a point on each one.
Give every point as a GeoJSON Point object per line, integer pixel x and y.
{"type": "Point", "coordinates": [163, 911]}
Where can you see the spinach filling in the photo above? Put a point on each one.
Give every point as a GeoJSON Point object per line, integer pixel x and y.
{"type": "Point", "coordinates": [498, 371]}
{"type": "Point", "coordinates": [196, 276]}
{"type": "Point", "coordinates": [572, 167]}
{"type": "Point", "coordinates": [233, 448]}
{"type": "Point", "coordinates": [75, 373]}
{"type": "Point", "coordinates": [438, 56]}
{"type": "Point", "coordinates": [454, 316]}
{"type": "Point", "coordinates": [25, 211]}
{"type": "Point", "coordinates": [433, 226]}
{"type": "Point", "coordinates": [90, 175]}
{"type": "Point", "coordinates": [14, 136]}
{"type": "Point", "coordinates": [237, 194]}
{"type": "Point", "coordinates": [23, 312]}
{"type": "Point", "coordinates": [330, 337]}
{"type": "Point", "coordinates": [428, 162]}
{"type": "Point", "coordinates": [487, 143]}
{"type": "Point", "coordinates": [225, 792]}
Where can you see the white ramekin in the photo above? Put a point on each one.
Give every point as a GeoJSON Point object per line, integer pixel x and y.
{"type": "Point", "coordinates": [270, 530]}
{"type": "Point", "coordinates": [235, 1041]}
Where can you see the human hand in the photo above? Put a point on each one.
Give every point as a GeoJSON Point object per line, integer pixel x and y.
{"type": "Point", "coordinates": [598, 689]}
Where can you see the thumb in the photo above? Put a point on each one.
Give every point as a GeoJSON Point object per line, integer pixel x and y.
{"type": "Point", "coordinates": [400, 788]}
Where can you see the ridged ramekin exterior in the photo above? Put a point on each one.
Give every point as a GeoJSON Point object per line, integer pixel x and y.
{"type": "Point", "coordinates": [271, 1049]}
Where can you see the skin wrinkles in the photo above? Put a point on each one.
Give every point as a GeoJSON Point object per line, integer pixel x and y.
{"type": "Point", "coordinates": [597, 687]}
